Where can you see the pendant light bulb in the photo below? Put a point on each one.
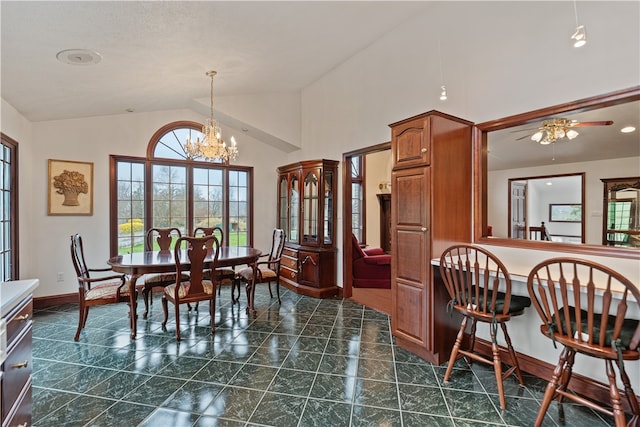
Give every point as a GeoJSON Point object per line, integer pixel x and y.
{"type": "Point", "coordinates": [443, 93]}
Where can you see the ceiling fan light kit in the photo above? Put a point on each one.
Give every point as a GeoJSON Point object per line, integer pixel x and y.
{"type": "Point", "coordinates": [555, 129]}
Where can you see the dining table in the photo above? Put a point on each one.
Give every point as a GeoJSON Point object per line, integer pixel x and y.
{"type": "Point", "coordinates": [137, 264]}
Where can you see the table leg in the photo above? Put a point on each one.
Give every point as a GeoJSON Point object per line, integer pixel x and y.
{"type": "Point", "coordinates": [133, 303]}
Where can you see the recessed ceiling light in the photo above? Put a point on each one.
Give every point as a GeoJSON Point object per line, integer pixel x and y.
{"type": "Point", "coordinates": [549, 183]}
{"type": "Point", "coordinates": [627, 129]}
{"type": "Point", "coordinates": [79, 57]}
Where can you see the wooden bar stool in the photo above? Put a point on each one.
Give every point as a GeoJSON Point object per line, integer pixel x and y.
{"type": "Point", "coordinates": [584, 306]}
{"type": "Point", "coordinates": [480, 289]}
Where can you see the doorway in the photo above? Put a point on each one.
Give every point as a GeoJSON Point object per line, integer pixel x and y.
{"type": "Point", "coordinates": [379, 299]}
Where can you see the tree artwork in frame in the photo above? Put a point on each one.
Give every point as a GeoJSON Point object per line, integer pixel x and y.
{"type": "Point", "coordinates": [70, 187]}
{"type": "Point", "coordinates": [565, 212]}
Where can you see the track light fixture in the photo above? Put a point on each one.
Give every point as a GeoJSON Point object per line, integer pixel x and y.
{"type": "Point", "coordinates": [443, 93]}
{"type": "Point", "coordinates": [579, 37]}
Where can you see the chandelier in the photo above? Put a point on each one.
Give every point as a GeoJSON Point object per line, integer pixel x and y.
{"type": "Point", "coordinates": [212, 147]}
{"type": "Point", "coordinates": [554, 129]}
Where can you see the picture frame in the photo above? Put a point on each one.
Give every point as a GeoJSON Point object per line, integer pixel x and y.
{"type": "Point", "coordinates": [70, 185]}
{"type": "Point", "coordinates": [565, 212]}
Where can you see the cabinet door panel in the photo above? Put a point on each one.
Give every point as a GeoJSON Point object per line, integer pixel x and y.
{"type": "Point", "coordinates": [410, 255]}
{"type": "Point", "coordinates": [411, 144]}
{"type": "Point", "coordinates": [409, 316]}
{"type": "Point", "coordinates": [309, 269]}
{"type": "Point", "coordinates": [411, 197]}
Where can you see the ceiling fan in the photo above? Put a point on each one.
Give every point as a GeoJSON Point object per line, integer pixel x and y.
{"type": "Point", "coordinates": [558, 128]}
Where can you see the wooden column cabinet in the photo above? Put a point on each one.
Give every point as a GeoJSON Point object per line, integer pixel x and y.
{"type": "Point", "coordinates": [307, 212]}
{"type": "Point", "coordinates": [430, 210]}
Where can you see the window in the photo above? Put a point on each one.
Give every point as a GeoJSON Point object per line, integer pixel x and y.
{"type": "Point", "coordinates": [357, 198]}
{"type": "Point", "coordinates": [167, 189]}
{"type": "Point", "coordinates": [8, 209]}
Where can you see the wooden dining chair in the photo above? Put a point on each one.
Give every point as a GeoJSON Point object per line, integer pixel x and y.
{"type": "Point", "coordinates": [163, 239]}
{"type": "Point", "coordinates": [196, 288]}
{"type": "Point", "coordinates": [480, 289]}
{"type": "Point", "coordinates": [92, 291]}
{"type": "Point", "coordinates": [223, 274]}
{"type": "Point", "coordinates": [586, 307]}
{"type": "Point", "coordinates": [267, 270]}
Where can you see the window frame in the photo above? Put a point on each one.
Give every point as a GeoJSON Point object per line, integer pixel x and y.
{"type": "Point", "coordinates": [359, 180]}
{"type": "Point", "coordinates": [13, 219]}
{"type": "Point", "coordinates": [150, 160]}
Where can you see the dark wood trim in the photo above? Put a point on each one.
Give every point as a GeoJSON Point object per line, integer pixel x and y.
{"type": "Point", "coordinates": [13, 209]}
{"type": "Point", "coordinates": [480, 179]}
{"type": "Point", "coordinates": [585, 386]}
{"type": "Point", "coordinates": [54, 300]}
{"type": "Point", "coordinates": [606, 100]}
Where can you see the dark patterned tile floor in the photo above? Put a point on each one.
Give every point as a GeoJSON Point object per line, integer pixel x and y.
{"type": "Point", "coordinates": [306, 362]}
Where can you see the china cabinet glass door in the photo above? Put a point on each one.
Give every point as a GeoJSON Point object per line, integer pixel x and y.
{"type": "Point", "coordinates": [310, 208]}
{"type": "Point", "coordinates": [328, 208]}
{"type": "Point", "coordinates": [283, 207]}
{"type": "Point", "coordinates": [294, 211]}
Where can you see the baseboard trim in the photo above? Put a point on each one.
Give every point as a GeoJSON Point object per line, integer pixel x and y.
{"type": "Point", "coordinates": [53, 300]}
{"type": "Point", "coordinates": [588, 387]}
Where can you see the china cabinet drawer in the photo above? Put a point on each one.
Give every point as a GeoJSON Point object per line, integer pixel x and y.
{"type": "Point", "coordinates": [291, 263]}
{"type": "Point", "coordinates": [288, 252]}
{"type": "Point", "coordinates": [289, 274]}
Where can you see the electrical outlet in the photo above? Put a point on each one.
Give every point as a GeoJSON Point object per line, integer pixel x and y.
{"type": "Point", "coordinates": [60, 276]}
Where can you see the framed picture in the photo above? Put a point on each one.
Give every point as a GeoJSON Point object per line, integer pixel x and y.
{"type": "Point", "coordinates": [70, 187]}
{"type": "Point", "coordinates": [565, 212]}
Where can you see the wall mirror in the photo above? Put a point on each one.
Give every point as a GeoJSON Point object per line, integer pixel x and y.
{"type": "Point", "coordinates": [579, 137]}
{"type": "Point", "coordinates": [621, 225]}
{"type": "Point", "coordinates": [543, 208]}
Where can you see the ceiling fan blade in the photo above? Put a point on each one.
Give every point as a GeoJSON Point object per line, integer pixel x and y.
{"type": "Point", "coordinates": [523, 137]}
{"type": "Point", "coordinates": [600, 123]}
{"type": "Point", "coordinates": [524, 130]}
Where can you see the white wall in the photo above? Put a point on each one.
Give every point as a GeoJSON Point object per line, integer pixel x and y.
{"type": "Point", "coordinates": [44, 240]}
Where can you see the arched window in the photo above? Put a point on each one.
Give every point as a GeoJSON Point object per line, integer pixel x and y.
{"type": "Point", "coordinates": [169, 141]}
{"type": "Point", "coordinates": [168, 189]}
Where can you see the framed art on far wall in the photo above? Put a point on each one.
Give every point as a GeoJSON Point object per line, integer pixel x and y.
{"type": "Point", "coordinates": [565, 212]}
{"type": "Point", "coordinates": [70, 187]}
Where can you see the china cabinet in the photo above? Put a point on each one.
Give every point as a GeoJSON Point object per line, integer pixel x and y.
{"type": "Point", "coordinates": [621, 222]}
{"type": "Point", "coordinates": [430, 210]}
{"type": "Point", "coordinates": [384, 199]}
{"type": "Point", "coordinates": [307, 213]}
